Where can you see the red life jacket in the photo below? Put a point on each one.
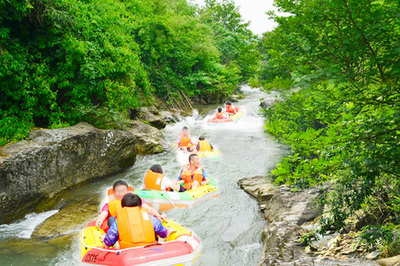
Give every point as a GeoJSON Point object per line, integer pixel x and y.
{"type": "Point", "coordinates": [231, 109]}
{"type": "Point", "coordinates": [187, 174]}
{"type": "Point", "coordinates": [135, 227]}
{"type": "Point", "coordinates": [153, 180]}
{"type": "Point", "coordinates": [219, 115]}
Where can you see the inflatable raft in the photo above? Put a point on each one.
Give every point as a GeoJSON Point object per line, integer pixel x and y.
{"type": "Point", "coordinates": [166, 200]}
{"type": "Point", "coordinates": [179, 248]}
{"type": "Point", "coordinates": [183, 157]}
{"type": "Point", "coordinates": [211, 154]}
{"type": "Point", "coordinates": [234, 118]}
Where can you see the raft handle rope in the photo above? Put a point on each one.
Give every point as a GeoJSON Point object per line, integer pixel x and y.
{"type": "Point", "coordinates": [162, 193]}
{"type": "Point", "coordinates": [155, 244]}
{"type": "Point", "coordinates": [125, 249]}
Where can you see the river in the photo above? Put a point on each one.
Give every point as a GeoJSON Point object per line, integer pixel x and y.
{"type": "Point", "coordinates": [229, 226]}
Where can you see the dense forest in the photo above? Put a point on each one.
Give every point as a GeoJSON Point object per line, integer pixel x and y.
{"type": "Point", "coordinates": [337, 64]}
{"type": "Point", "coordinates": [66, 61]}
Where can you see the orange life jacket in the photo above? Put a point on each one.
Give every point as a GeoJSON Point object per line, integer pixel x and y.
{"type": "Point", "coordinates": [231, 109]}
{"type": "Point", "coordinates": [114, 207]}
{"type": "Point", "coordinates": [204, 145]}
{"type": "Point", "coordinates": [187, 174]}
{"type": "Point", "coordinates": [219, 115]}
{"type": "Point", "coordinates": [135, 227]}
{"type": "Point", "coordinates": [153, 180]}
{"type": "Point", "coordinates": [110, 193]}
{"type": "Point", "coordinates": [185, 141]}
{"type": "Point", "coordinates": [114, 204]}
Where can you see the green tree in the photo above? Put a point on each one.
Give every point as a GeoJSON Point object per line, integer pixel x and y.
{"type": "Point", "coordinates": [343, 120]}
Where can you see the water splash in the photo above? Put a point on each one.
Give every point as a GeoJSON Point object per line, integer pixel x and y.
{"type": "Point", "coordinates": [24, 228]}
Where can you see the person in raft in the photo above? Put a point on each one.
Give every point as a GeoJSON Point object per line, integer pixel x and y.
{"type": "Point", "coordinates": [191, 176]}
{"type": "Point", "coordinates": [134, 227]}
{"type": "Point", "coordinates": [155, 179]}
{"type": "Point", "coordinates": [115, 194]}
{"type": "Point", "coordinates": [230, 109]}
{"type": "Point", "coordinates": [220, 114]}
{"type": "Point", "coordinates": [203, 145]}
{"type": "Point", "coordinates": [184, 141]}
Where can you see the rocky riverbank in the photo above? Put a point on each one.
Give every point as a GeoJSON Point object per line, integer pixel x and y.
{"type": "Point", "coordinates": [50, 161]}
{"type": "Point", "coordinates": [291, 214]}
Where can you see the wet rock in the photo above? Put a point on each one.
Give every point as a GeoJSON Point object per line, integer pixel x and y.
{"type": "Point", "coordinates": [287, 213]}
{"type": "Point", "coordinates": [72, 216]}
{"type": "Point", "coordinates": [265, 103]}
{"type": "Point", "coordinates": [152, 117]}
{"type": "Point", "coordinates": [57, 159]}
{"type": "Point", "coordinates": [257, 187]}
{"type": "Point", "coordinates": [149, 140]}
{"type": "Point", "coordinates": [30, 247]}
{"type": "Point", "coordinates": [170, 117]}
{"type": "Point", "coordinates": [312, 209]}
{"type": "Point", "coordinates": [392, 261]}
{"type": "Point", "coordinates": [373, 255]}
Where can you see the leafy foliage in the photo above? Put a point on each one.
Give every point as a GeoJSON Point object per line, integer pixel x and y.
{"type": "Point", "coordinates": [68, 61]}
{"type": "Point", "coordinates": [342, 120]}
{"type": "Point", "coordinates": [386, 238]}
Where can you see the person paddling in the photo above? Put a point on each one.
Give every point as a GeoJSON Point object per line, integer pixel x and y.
{"type": "Point", "coordinates": [192, 175]}
{"type": "Point", "coordinates": [134, 226]}
{"type": "Point", "coordinates": [230, 110]}
{"type": "Point", "coordinates": [204, 145]}
{"type": "Point", "coordinates": [109, 211]}
{"type": "Point", "coordinates": [220, 114]}
{"type": "Point", "coordinates": [155, 179]}
{"type": "Point", "coordinates": [184, 141]}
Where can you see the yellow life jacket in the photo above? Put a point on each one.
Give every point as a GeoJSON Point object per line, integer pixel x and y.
{"type": "Point", "coordinates": [204, 146]}
{"type": "Point", "coordinates": [114, 207]}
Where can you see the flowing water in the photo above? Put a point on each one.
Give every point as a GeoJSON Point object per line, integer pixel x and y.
{"type": "Point", "coordinates": [229, 226]}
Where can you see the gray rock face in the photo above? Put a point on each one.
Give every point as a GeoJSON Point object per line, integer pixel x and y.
{"type": "Point", "coordinates": [149, 140]}
{"type": "Point", "coordinates": [170, 117]}
{"type": "Point", "coordinates": [70, 217]}
{"type": "Point", "coordinates": [57, 159]}
{"type": "Point", "coordinates": [392, 261]}
{"type": "Point", "coordinates": [152, 116]}
{"type": "Point", "coordinates": [286, 212]}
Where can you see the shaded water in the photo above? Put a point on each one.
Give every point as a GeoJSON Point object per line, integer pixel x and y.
{"type": "Point", "coordinates": [229, 226]}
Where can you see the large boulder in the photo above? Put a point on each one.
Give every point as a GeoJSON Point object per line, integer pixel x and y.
{"type": "Point", "coordinates": [57, 159]}
{"type": "Point", "coordinates": [152, 116]}
{"type": "Point", "coordinates": [392, 261]}
{"type": "Point", "coordinates": [170, 117]}
{"type": "Point", "coordinates": [149, 140]}
{"type": "Point", "coordinates": [288, 213]}
{"type": "Point", "coordinates": [75, 212]}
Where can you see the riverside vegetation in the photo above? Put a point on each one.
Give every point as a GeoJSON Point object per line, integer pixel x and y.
{"type": "Point", "coordinates": [64, 62]}
{"type": "Point", "coordinates": [337, 64]}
